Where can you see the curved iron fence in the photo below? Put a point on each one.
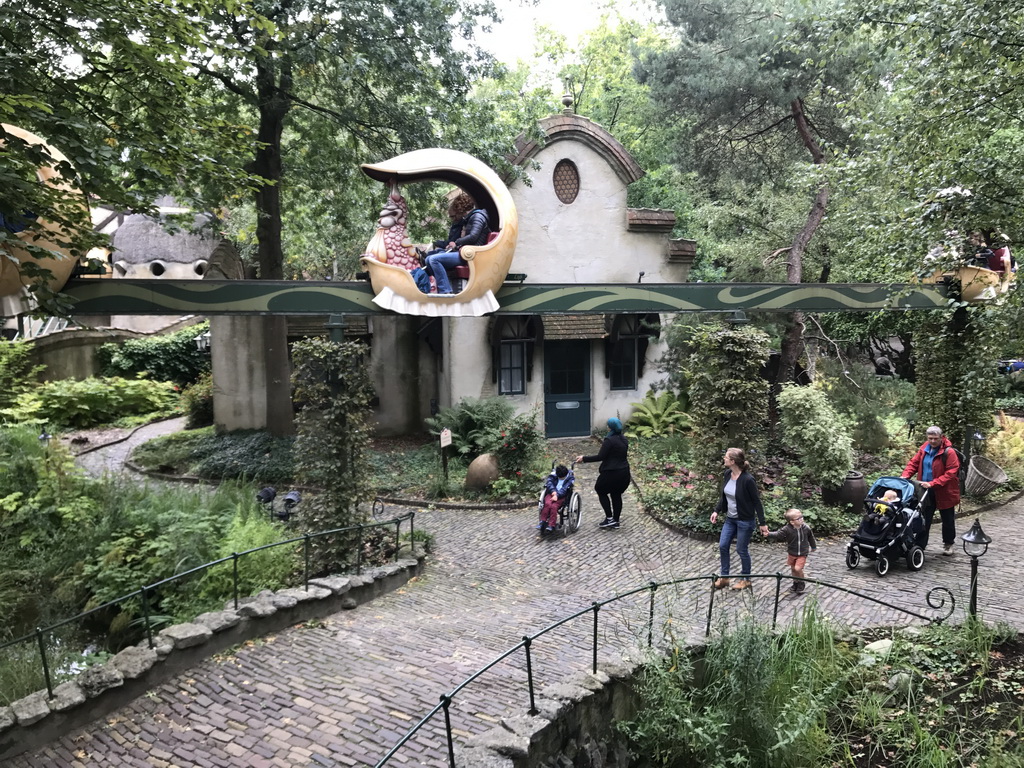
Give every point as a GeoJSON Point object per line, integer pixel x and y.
{"type": "Point", "coordinates": [40, 633]}
{"type": "Point", "coordinates": [936, 598]}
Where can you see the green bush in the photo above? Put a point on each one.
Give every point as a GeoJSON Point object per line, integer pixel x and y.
{"type": "Point", "coordinates": [21, 453]}
{"type": "Point", "coordinates": [875, 409]}
{"type": "Point", "coordinates": [80, 404]}
{"type": "Point", "coordinates": [170, 357]}
{"type": "Point", "coordinates": [17, 373]}
{"type": "Point", "coordinates": [806, 697]}
{"type": "Point", "coordinates": [957, 379]}
{"type": "Point", "coordinates": [719, 366]}
{"type": "Point", "coordinates": [521, 443]}
{"type": "Point", "coordinates": [667, 486]}
{"type": "Point", "coordinates": [813, 429]}
{"type": "Point", "coordinates": [197, 400]}
{"type": "Point", "coordinates": [270, 568]}
{"type": "Point", "coordinates": [150, 537]}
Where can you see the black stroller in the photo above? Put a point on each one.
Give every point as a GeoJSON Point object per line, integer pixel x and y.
{"type": "Point", "coordinates": [888, 529]}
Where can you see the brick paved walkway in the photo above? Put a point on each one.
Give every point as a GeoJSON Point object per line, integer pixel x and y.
{"type": "Point", "coordinates": [341, 694]}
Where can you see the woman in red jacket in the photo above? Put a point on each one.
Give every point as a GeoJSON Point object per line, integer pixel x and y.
{"type": "Point", "coordinates": [937, 468]}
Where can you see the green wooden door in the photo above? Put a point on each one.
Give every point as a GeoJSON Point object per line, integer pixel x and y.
{"type": "Point", "coordinates": [567, 388]}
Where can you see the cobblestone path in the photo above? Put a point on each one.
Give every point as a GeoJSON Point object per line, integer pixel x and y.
{"type": "Point", "coordinates": [342, 692]}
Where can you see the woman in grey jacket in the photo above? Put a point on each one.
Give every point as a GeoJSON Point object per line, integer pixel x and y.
{"type": "Point", "coordinates": [741, 504]}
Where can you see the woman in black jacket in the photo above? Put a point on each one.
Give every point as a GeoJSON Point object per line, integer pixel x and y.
{"type": "Point", "coordinates": [613, 475]}
{"type": "Point", "coordinates": [469, 227]}
{"type": "Point", "coordinates": [741, 503]}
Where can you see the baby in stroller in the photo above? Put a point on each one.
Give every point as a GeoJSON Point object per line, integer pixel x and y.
{"type": "Point", "coordinates": [557, 488]}
{"type": "Point", "coordinates": [889, 527]}
{"type": "Point", "coordinates": [886, 508]}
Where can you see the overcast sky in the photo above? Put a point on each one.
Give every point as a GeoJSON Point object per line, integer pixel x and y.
{"type": "Point", "coordinates": [513, 38]}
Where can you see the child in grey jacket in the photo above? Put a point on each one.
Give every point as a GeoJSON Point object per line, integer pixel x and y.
{"type": "Point", "coordinates": [800, 542]}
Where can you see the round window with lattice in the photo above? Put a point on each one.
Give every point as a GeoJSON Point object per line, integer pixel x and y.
{"type": "Point", "coordinates": [566, 180]}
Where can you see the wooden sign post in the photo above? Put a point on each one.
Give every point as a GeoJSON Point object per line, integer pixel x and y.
{"type": "Point", "coordinates": [446, 440]}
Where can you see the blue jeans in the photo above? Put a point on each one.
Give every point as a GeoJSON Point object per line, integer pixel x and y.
{"type": "Point", "coordinates": [438, 263]}
{"type": "Point", "coordinates": [742, 531]}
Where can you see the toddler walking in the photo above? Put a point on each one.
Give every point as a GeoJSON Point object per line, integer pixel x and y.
{"type": "Point", "coordinates": [800, 542]}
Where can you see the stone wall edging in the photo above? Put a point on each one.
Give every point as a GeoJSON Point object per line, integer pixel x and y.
{"type": "Point", "coordinates": [571, 725]}
{"type": "Point", "coordinates": [34, 720]}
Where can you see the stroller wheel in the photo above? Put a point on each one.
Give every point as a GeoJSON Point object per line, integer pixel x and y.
{"type": "Point", "coordinates": [915, 558]}
{"type": "Point", "coordinates": [852, 557]}
{"type": "Point", "coordinates": [882, 565]}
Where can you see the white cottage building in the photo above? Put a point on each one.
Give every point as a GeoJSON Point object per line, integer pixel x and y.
{"type": "Point", "coordinates": [574, 227]}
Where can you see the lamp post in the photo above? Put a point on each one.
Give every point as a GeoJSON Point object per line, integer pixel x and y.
{"type": "Point", "coordinates": [976, 545]}
{"type": "Point", "coordinates": [203, 341]}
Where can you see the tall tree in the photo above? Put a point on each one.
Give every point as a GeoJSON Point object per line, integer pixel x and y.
{"type": "Point", "coordinates": [762, 86]}
{"type": "Point", "coordinates": [361, 78]}
{"type": "Point", "coordinates": [122, 107]}
{"type": "Point", "coordinates": [944, 151]}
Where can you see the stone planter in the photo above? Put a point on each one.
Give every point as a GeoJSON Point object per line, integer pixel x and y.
{"type": "Point", "coordinates": [849, 494]}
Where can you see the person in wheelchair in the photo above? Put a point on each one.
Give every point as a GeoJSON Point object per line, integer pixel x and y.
{"type": "Point", "coordinates": [557, 488]}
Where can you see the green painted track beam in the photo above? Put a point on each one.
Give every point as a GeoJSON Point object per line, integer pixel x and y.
{"type": "Point", "coordinates": [290, 297]}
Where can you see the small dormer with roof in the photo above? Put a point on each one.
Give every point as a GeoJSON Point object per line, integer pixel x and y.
{"type": "Point", "coordinates": [575, 223]}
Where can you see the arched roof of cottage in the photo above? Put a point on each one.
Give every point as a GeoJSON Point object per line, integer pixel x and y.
{"type": "Point", "coordinates": [569, 126]}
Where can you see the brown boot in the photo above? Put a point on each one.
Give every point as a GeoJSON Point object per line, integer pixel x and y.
{"type": "Point", "coordinates": [722, 583]}
{"type": "Point", "coordinates": [741, 584]}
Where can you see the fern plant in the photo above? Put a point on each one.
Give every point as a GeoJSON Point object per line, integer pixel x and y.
{"type": "Point", "coordinates": [475, 424]}
{"type": "Point", "coordinates": [658, 416]}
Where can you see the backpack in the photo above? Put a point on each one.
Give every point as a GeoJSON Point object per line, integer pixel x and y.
{"type": "Point", "coordinates": [962, 474]}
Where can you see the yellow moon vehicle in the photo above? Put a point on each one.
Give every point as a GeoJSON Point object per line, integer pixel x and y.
{"type": "Point", "coordinates": [47, 235]}
{"type": "Point", "coordinates": [388, 254]}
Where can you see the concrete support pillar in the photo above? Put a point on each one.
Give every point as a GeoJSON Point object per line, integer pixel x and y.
{"type": "Point", "coordinates": [251, 372]}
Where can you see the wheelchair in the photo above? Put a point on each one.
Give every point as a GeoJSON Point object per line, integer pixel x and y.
{"type": "Point", "coordinates": [570, 511]}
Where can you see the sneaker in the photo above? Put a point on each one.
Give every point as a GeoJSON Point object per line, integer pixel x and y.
{"type": "Point", "coordinates": [722, 583]}
{"type": "Point", "coordinates": [947, 550]}
{"type": "Point", "coordinates": [541, 526]}
{"type": "Point", "coordinates": [614, 525]}
{"type": "Point", "coordinates": [798, 587]}
{"type": "Point", "coordinates": [608, 523]}
{"type": "Point", "coordinates": [741, 584]}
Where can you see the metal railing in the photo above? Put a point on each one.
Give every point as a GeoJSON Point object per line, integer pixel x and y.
{"type": "Point", "coordinates": [40, 634]}
{"type": "Point", "coordinates": [936, 598]}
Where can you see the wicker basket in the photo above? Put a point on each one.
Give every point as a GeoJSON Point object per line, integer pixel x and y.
{"type": "Point", "coordinates": [983, 476]}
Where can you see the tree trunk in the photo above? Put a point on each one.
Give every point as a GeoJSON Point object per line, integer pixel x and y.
{"type": "Point", "coordinates": [273, 108]}
{"type": "Point", "coordinates": [793, 338]}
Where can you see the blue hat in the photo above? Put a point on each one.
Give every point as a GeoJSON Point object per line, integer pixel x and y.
{"type": "Point", "coordinates": [615, 425]}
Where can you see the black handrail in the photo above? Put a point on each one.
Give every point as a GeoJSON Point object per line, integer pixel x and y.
{"type": "Point", "coordinates": [936, 598]}
{"type": "Point", "coordinates": [39, 634]}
